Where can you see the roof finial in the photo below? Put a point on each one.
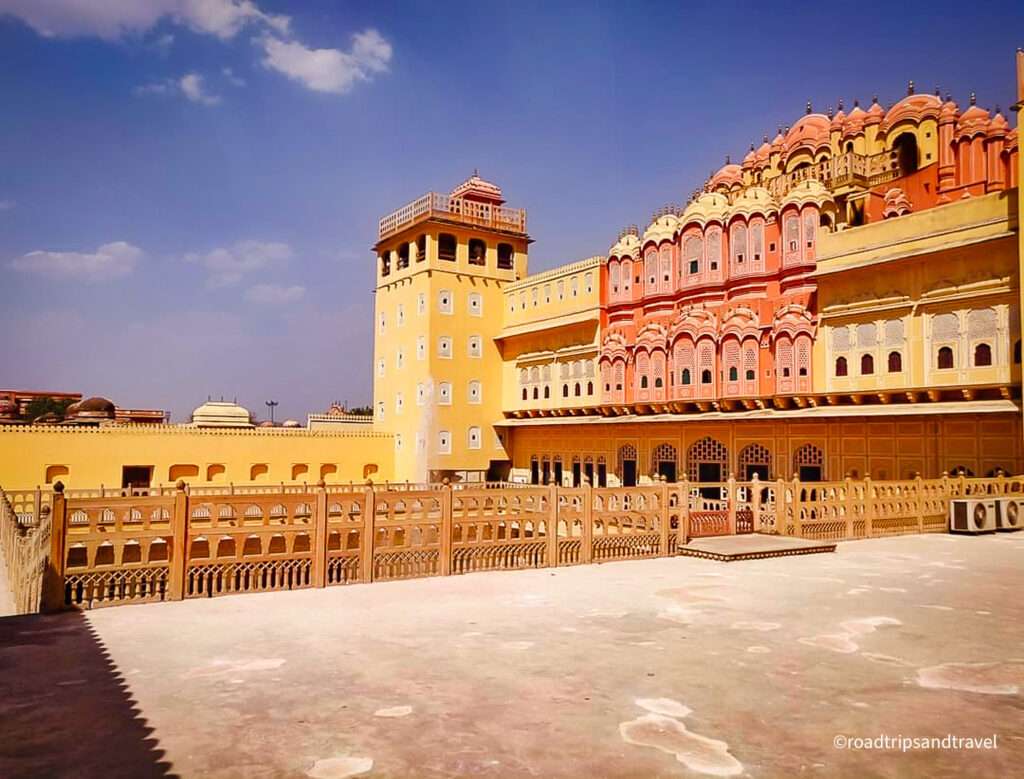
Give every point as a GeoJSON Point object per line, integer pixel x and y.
{"type": "Point", "coordinates": [829, 112]}
{"type": "Point", "coordinates": [840, 106]}
{"type": "Point", "coordinates": [874, 99]}
{"type": "Point", "coordinates": [910, 87]}
{"type": "Point", "coordinates": [780, 130]}
{"type": "Point", "coordinates": [765, 138]}
{"type": "Point", "coordinates": [727, 160]}
{"type": "Point", "coordinates": [997, 108]}
{"type": "Point", "coordinates": [856, 102]}
{"type": "Point", "coordinates": [938, 92]}
{"type": "Point", "coordinates": [751, 147]}
{"type": "Point", "coordinates": [808, 109]}
{"type": "Point", "coordinates": [974, 98]}
{"type": "Point", "coordinates": [476, 173]}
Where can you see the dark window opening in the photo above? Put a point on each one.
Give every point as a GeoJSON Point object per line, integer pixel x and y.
{"type": "Point", "coordinates": [446, 247]}
{"type": "Point", "coordinates": [643, 382]}
{"type": "Point", "coordinates": [750, 375]}
{"type": "Point", "coordinates": [547, 393]}
{"type": "Point", "coordinates": [802, 371]}
{"type": "Point", "coordinates": [403, 256]}
{"type": "Point", "coordinates": [694, 265]}
{"type": "Point", "coordinates": [524, 393]}
{"type": "Point", "coordinates": [477, 252]}
{"type": "Point", "coordinates": [733, 374]}
{"type": "Point", "coordinates": [658, 383]}
{"type": "Point", "coordinates": [565, 390]}
{"type": "Point", "coordinates": [577, 390]}
{"type": "Point", "coordinates": [905, 153]}
{"type": "Point", "coordinates": [505, 256]}
{"type": "Point", "coordinates": [841, 366]}
{"type": "Point", "coordinates": [895, 362]}
{"type": "Point", "coordinates": [867, 365]}
{"type": "Point", "coordinates": [421, 248]}
{"type": "Point", "coordinates": [685, 377]}
{"type": "Point", "coordinates": [590, 388]}
{"type": "Point", "coordinates": [628, 473]}
{"type": "Point", "coordinates": [385, 264]}
{"type": "Point", "coordinates": [785, 372]}
{"type": "Point", "coordinates": [705, 376]}
{"type": "Point", "coordinates": [945, 358]}
{"type": "Point", "coordinates": [136, 476]}
{"type": "Point", "coordinates": [536, 394]}
{"type": "Point", "coordinates": [982, 355]}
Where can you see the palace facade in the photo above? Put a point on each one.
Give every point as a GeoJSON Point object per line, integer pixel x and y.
{"type": "Point", "coordinates": [844, 301]}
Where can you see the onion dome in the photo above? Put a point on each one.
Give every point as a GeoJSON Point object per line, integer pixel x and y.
{"type": "Point", "coordinates": [914, 108]}
{"type": "Point", "coordinates": [998, 126]}
{"type": "Point", "coordinates": [728, 176]}
{"type": "Point", "coordinates": [221, 413]}
{"type": "Point", "coordinates": [628, 244]}
{"type": "Point", "coordinates": [812, 131]}
{"type": "Point", "coordinates": [754, 200]}
{"type": "Point", "coordinates": [973, 121]}
{"type": "Point", "coordinates": [662, 228]}
{"type": "Point", "coordinates": [763, 151]}
{"type": "Point", "coordinates": [875, 113]}
{"type": "Point", "coordinates": [708, 207]}
{"type": "Point", "coordinates": [855, 120]}
{"type": "Point", "coordinates": [92, 409]}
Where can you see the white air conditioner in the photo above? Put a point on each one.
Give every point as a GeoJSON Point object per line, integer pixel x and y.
{"type": "Point", "coordinates": [1009, 514]}
{"type": "Point", "coordinates": [972, 515]}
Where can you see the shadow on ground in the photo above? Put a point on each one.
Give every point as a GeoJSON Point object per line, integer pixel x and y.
{"type": "Point", "coordinates": [65, 708]}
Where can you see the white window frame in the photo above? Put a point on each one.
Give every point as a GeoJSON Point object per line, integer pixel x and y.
{"type": "Point", "coordinates": [448, 309]}
{"type": "Point", "coordinates": [444, 393]}
{"type": "Point", "coordinates": [477, 299]}
{"type": "Point", "coordinates": [478, 342]}
{"type": "Point", "coordinates": [444, 347]}
{"type": "Point", "coordinates": [478, 385]}
{"type": "Point", "coordinates": [470, 444]}
{"type": "Point", "coordinates": [444, 442]}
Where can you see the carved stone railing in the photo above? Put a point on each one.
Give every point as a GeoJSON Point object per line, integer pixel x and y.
{"type": "Point", "coordinates": [847, 169]}
{"type": "Point", "coordinates": [453, 209]}
{"type": "Point", "coordinates": [207, 541]}
{"type": "Point", "coordinates": [25, 542]}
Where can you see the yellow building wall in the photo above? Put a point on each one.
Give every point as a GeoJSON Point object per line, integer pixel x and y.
{"type": "Point", "coordinates": [950, 260]}
{"type": "Point", "coordinates": [436, 392]}
{"type": "Point", "coordinates": [86, 457]}
{"type": "Point", "coordinates": [882, 448]}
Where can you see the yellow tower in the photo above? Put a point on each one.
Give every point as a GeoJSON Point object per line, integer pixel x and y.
{"type": "Point", "coordinates": [442, 262]}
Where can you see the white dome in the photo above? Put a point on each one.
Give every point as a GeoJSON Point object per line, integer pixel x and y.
{"type": "Point", "coordinates": [221, 413]}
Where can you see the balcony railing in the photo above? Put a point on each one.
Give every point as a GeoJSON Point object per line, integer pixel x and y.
{"type": "Point", "coordinates": [849, 169]}
{"type": "Point", "coordinates": [454, 209]}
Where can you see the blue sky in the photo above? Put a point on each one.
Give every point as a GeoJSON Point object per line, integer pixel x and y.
{"type": "Point", "coordinates": [189, 189]}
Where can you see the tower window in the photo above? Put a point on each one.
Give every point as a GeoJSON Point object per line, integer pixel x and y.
{"type": "Point", "coordinates": [477, 252]}
{"type": "Point", "coordinates": [446, 247]}
{"type": "Point", "coordinates": [505, 256]}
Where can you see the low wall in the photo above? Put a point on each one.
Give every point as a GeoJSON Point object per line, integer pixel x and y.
{"type": "Point", "coordinates": [87, 548]}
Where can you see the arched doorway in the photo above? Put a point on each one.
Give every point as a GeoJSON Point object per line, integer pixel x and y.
{"type": "Point", "coordinates": [755, 458]}
{"type": "Point", "coordinates": [664, 462]}
{"type": "Point", "coordinates": [809, 463]}
{"type": "Point", "coordinates": [627, 465]}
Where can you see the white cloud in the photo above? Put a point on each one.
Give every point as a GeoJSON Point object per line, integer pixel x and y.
{"type": "Point", "coordinates": [110, 261]}
{"type": "Point", "coordinates": [231, 78]}
{"type": "Point", "coordinates": [227, 265]}
{"type": "Point", "coordinates": [191, 85]}
{"type": "Point", "coordinates": [274, 294]}
{"type": "Point", "coordinates": [7, 205]}
{"type": "Point", "coordinates": [328, 70]}
{"type": "Point", "coordinates": [112, 19]}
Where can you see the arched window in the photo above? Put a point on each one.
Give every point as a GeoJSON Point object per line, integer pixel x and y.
{"type": "Point", "coordinates": [841, 366]}
{"type": "Point", "coordinates": [905, 153]}
{"type": "Point", "coordinates": [547, 393]}
{"type": "Point", "coordinates": [643, 382]}
{"type": "Point", "coordinates": [685, 377]}
{"type": "Point", "coordinates": [565, 390]}
{"type": "Point", "coordinates": [524, 393]}
{"type": "Point", "coordinates": [705, 376]}
{"type": "Point", "coordinates": [733, 373]}
{"type": "Point", "coordinates": [1016, 352]}
{"type": "Point", "coordinates": [477, 251]}
{"type": "Point", "coordinates": [577, 391]}
{"type": "Point", "coordinates": [895, 362]}
{"type": "Point", "coordinates": [982, 355]}
{"type": "Point", "coordinates": [945, 360]}
{"type": "Point", "coordinates": [445, 246]}
{"type": "Point", "coordinates": [658, 383]}
{"type": "Point", "coordinates": [536, 393]}
{"type": "Point", "coordinates": [867, 365]}
{"type": "Point", "coordinates": [590, 388]}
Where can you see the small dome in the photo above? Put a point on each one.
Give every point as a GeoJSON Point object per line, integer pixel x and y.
{"type": "Point", "coordinates": [854, 121]}
{"type": "Point", "coordinates": [50, 417]}
{"type": "Point", "coordinates": [663, 228]}
{"type": "Point", "coordinates": [710, 205]}
{"type": "Point", "coordinates": [754, 200]}
{"type": "Point", "coordinates": [838, 121]}
{"type": "Point", "coordinates": [221, 413]}
{"type": "Point", "coordinates": [810, 191]}
{"type": "Point", "coordinates": [476, 188]}
{"type": "Point", "coordinates": [914, 108]}
{"type": "Point", "coordinates": [727, 176]}
{"type": "Point", "coordinates": [92, 408]}
{"type": "Point", "coordinates": [973, 121]}
{"type": "Point", "coordinates": [628, 245]}
{"type": "Point", "coordinates": [290, 423]}
{"type": "Point", "coordinates": [875, 113]}
{"type": "Point", "coordinates": [265, 423]}
{"type": "Point", "coordinates": [812, 130]}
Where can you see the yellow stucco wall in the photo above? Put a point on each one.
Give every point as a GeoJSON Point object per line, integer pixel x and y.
{"type": "Point", "coordinates": [95, 456]}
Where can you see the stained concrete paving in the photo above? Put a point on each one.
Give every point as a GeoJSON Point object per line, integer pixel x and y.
{"type": "Point", "coordinates": [656, 668]}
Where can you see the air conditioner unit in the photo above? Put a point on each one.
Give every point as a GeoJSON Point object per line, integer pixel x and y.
{"type": "Point", "coordinates": [1009, 514]}
{"type": "Point", "coordinates": [972, 515]}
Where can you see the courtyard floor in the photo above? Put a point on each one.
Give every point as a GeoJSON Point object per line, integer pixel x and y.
{"type": "Point", "coordinates": [655, 668]}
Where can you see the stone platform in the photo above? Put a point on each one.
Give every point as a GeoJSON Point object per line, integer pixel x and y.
{"type": "Point", "coordinates": [754, 546]}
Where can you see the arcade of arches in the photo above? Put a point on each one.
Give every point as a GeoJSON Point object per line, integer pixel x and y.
{"type": "Point", "coordinates": [612, 454]}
